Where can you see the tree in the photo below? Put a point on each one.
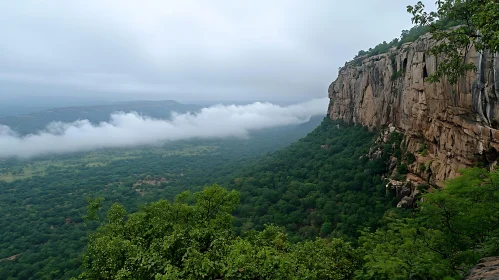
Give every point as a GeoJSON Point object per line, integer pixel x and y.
{"type": "Point", "coordinates": [450, 231]}
{"type": "Point", "coordinates": [472, 23]}
{"type": "Point", "coordinates": [400, 252]}
{"type": "Point", "coordinates": [195, 241]}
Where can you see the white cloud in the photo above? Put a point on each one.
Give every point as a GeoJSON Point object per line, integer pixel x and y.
{"type": "Point", "coordinates": [131, 129]}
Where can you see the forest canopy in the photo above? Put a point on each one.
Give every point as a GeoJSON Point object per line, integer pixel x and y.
{"type": "Point", "coordinates": [193, 238]}
{"type": "Point", "coordinates": [183, 240]}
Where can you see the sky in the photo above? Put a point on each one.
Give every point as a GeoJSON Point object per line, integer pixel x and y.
{"type": "Point", "coordinates": [189, 50]}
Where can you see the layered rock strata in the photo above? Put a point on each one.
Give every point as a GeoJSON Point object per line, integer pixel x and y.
{"type": "Point", "coordinates": [447, 127]}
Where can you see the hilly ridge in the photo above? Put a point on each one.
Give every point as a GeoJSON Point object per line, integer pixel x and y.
{"type": "Point", "coordinates": [33, 122]}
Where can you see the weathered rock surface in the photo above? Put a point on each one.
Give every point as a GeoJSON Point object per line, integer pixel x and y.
{"type": "Point", "coordinates": [447, 127]}
{"type": "Point", "coordinates": [486, 269]}
{"type": "Point", "coordinates": [406, 192]}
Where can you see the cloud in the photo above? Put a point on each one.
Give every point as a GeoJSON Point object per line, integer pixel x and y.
{"type": "Point", "coordinates": [131, 129]}
{"type": "Point", "coordinates": [224, 50]}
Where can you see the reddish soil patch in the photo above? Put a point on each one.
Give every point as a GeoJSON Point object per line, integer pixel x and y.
{"type": "Point", "coordinates": [154, 182]}
{"type": "Point", "coordinates": [11, 258]}
{"type": "Point", "coordinates": [118, 183]}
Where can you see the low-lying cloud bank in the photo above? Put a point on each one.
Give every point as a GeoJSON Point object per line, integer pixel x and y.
{"type": "Point", "coordinates": [131, 129]}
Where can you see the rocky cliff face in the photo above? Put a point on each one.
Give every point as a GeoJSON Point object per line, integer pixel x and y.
{"type": "Point", "coordinates": [486, 269]}
{"type": "Point", "coordinates": [447, 127]}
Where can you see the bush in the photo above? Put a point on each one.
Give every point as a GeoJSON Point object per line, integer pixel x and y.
{"type": "Point", "coordinates": [410, 158]}
{"type": "Point", "coordinates": [402, 169]}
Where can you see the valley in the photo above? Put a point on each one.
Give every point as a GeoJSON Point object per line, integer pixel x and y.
{"type": "Point", "coordinates": [194, 140]}
{"type": "Point", "coordinates": [44, 199]}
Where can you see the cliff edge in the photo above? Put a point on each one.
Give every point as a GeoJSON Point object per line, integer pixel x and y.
{"type": "Point", "coordinates": [447, 127]}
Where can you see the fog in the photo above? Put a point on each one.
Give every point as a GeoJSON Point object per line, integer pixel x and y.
{"type": "Point", "coordinates": [129, 129]}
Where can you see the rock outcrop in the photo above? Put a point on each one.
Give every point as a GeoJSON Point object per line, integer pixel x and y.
{"type": "Point", "coordinates": [447, 127]}
{"type": "Point", "coordinates": [486, 269]}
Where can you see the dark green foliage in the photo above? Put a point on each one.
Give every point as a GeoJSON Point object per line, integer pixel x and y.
{"type": "Point", "coordinates": [422, 167]}
{"type": "Point", "coordinates": [322, 185]}
{"type": "Point", "coordinates": [392, 148]}
{"type": "Point", "coordinates": [423, 149]}
{"type": "Point", "coordinates": [402, 169]}
{"type": "Point", "coordinates": [452, 229]}
{"type": "Point", "coordinates": [194, 241]}
{"type": "Point", "coordinates": [412, 34]}
{"type": "Point", "coordinates": [410, 158]}
{"type": "Point", "coordinates": [396, 253]}
{"type": "Point", "coordinates": [94, 206]}
{"type": "Point", "coordinates": [396, 74]}
{"type": "Point", "coordinates": [442, 239]}
{"type": "Point", "coordinates": [423, 187]}
{"type": "Point", "coordinates": [406, 36]}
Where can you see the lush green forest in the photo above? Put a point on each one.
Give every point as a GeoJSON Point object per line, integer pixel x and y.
{"type": "Point", "coordinates": [42, 200]}
{"type": "Point", "coordinates": [323, 185]}
{"type": "Point", "coordinates": [193, 238]}
{"type": "Point", "coordinates": [317, 209]}
{"type": "Point", "coordinates": [239, 209]}
{"type": "Point", "coordinates": [183, 240]}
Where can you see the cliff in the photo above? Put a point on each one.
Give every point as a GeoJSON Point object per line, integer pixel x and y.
{"type": "Point", "coordinates": [447, 127]}
{"type": "Point", "coordinates": [487, 268]}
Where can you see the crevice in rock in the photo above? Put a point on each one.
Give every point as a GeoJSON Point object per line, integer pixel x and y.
{"type": "Point", "coordinates": [430, 173]}
{"type": "Point", "coordinates": [490, 155]}
{"type": "Point", "coordinates": [495, 79]}
{"type": "Point", "coordinates": [480, 104]}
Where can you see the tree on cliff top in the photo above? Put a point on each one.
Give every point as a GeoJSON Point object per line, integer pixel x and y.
{"type": "Point", "coordinates": [478, 25]}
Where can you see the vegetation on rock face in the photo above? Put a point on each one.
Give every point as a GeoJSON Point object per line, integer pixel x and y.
{"type": "Point", "coordinates": [457, 26]}
{"type": "Point", "coordinates": [478, 26]}
{"type": "Point", "coordinates": [406, 36]}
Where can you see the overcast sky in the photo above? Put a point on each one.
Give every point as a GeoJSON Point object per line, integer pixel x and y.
{"type": "Point", "coordinates": [187, 50]}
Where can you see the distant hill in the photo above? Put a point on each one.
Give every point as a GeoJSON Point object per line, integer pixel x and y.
{"type": "Point", "coordinates": [32, 122]}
